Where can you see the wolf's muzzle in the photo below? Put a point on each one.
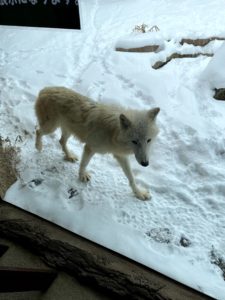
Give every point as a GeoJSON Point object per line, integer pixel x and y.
{"type": "Point", "coordinates": [144, 163]}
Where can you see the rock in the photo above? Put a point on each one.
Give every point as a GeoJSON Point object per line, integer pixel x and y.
{"type": "Point", "coordinates": [219, 94]}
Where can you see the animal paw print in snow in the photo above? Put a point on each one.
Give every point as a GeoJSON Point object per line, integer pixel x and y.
{"type": "Point", "coordinates": [35, 182]}
{"type": "Point", "coordinates": [72, 193]}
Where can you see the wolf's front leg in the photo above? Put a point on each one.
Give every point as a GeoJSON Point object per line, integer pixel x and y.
{"type": "Point", "coordinates": [125, 165]}
{"type": "Point", "coordinates": [86, 157]}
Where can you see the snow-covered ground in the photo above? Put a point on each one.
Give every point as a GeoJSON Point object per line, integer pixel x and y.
{"type": "Point", "coordinates": [177, 231]}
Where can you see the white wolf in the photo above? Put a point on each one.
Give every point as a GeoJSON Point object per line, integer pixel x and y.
{"type": "Point", "coordinates": [103, 129]}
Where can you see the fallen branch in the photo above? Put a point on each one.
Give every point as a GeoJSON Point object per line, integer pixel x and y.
{"type": "Point", "coordinates": [160, 64]}
{"type": "Point", "coordinates": [201, 42]}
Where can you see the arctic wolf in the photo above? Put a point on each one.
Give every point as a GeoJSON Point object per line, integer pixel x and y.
{"type": "Point", "coordinates": [103, 129]}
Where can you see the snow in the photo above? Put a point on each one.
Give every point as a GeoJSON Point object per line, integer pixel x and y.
{"type": "Point", "coordinates": [186, 176]}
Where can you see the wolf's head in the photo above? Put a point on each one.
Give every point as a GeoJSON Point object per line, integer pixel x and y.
{"type": "Point", "coordinates": [138, 131]}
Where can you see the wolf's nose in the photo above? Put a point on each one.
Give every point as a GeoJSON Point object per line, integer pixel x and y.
{"type": "Point", "coordinates": [144, 163]}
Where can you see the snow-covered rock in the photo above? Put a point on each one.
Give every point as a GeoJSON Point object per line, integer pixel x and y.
{"type": "Point", "coordinates": [141, 42]}
{"type": "Point", "coordinates": [214, 73]}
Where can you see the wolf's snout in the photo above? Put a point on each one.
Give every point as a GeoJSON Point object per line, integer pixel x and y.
{"type": "Point", "coordinates": [144, 163]}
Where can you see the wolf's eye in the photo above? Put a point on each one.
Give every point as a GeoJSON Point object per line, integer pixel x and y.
{"type": "Point", "coordinates": [134, 142]}
{"type": "Point", "coordinates": [149, 140]}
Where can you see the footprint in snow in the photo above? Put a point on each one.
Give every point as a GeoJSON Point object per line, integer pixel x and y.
{"type": "Point", "coordinates": [35, 182]}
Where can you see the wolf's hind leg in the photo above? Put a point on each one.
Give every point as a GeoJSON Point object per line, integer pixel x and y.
{"type": "Point", "coordinates": [86, 157]}
{"type": "Point", "coordinates": [68, 154]}
{"type": "Point", "coordinates": [125, 165]}
{"type": "Point", "coordinates": [45, 128]}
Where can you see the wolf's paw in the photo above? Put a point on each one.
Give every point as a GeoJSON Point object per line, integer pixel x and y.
{"type": "Point", "coordinates": [85, 177]}
{"type": "Point", "coordinates": [142, 195]}
{"type": "Point", "coordinates": [71, 157]}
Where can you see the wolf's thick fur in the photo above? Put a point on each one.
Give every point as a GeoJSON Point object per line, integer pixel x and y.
{"type": "Point", "coordinates": [103, 129]}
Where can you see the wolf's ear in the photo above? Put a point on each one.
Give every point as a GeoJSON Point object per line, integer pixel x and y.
{"type": "Point", "coordinates": [124, 121]}
{"type": "Point", "coordinates": [152, 113]}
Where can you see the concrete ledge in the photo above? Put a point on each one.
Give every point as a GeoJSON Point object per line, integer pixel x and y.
{"type": "Point", "coordinates": [88, 261]}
